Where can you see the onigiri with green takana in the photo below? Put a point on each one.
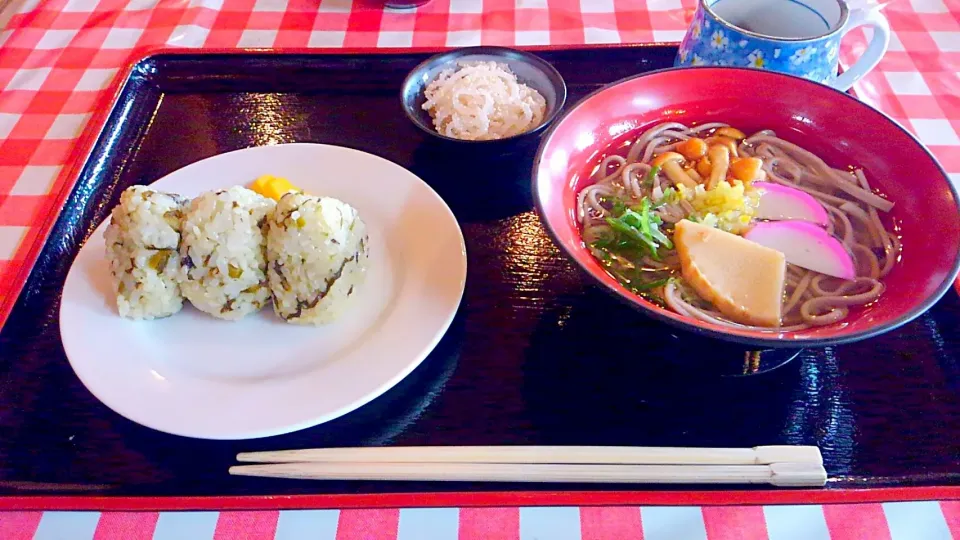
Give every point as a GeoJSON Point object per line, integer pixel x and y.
{"type": "Point", "coordinates": [223, 253]}
{"type": "Point", "coordinates": [318, 251]}
{"type": "Point", "coordinates": [142, 240]}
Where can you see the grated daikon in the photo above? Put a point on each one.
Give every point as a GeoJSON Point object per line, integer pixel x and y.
{"type": "Point", "coordinates": [482, 101]}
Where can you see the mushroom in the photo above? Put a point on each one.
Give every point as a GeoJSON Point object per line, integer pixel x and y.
{"type": "Point", "coordinates": [720, 160]}
{"type": "Point", "coordinates": [727, 142]}
{"type": "Point", "coordinates": [692, 173]}
{"type": "Point", "coordinates": [703, 167]}
{"type": "Point", "coordinates": [746, 169]}
{"type": "Point", "coordinates": [670, 162]}
{"type": "Point", "coordinates": [692, 148]}
{"type": "Point", "coordinates": [731, 132]}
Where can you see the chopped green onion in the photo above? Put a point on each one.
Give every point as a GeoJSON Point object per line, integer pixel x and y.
{"type": "Point", "coordinates": [645, 217]}
{"type": "Point", "coordinates": [631, 218]}
{"type": "Point", "coordinates": [600, 244]}
{"type": "Point", "coordinates": [619, 207]}
{"type": "Point", "coordinates": [651, 284]}
{"type": "Point", "coordinates": [632, 233]}
{"type": "Point", "coordinates": [660, 237]}
{"type": "Point", "coordinates": [641, 225]}
{"type": "Point", "coordinates": [650, 222]}
{"type": "Point", "coordinates": [651, 176]}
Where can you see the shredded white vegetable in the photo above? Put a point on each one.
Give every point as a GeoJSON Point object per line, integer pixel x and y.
{"type": "Point", "coordinates": [482, 101]}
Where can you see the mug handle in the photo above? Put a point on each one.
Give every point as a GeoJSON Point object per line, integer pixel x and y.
{"type": "Point", "coordinates": [871, 57]}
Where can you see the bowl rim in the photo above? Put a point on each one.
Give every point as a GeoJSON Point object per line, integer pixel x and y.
{"type": "Point", "coordinates": [492, 50]}
{"type": "Point", "coordinates": [690, 324]}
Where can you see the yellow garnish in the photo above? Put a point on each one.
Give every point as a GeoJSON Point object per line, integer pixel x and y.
{"type": "Point", "coordinates": [727, 207]}
{"type": "Point", "coordinates": [272, 187]}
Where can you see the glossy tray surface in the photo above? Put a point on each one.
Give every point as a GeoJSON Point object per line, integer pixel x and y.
{"type": "Point", "coordinates": [535, 355]}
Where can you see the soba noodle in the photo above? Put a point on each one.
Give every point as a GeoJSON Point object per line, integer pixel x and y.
{"type": "Point", "coordinates": [810, 299]}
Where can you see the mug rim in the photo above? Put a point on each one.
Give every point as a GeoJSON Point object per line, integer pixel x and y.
{"type": "Point", "coordinates": [841, 23]}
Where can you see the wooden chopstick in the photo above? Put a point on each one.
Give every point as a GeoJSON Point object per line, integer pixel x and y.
{"type": "Point", "coordinates": [777, 465]}
{"type": "Point", "coordinates": [777, 474]}
{"type": "Point", "coordinates": [623, 455]}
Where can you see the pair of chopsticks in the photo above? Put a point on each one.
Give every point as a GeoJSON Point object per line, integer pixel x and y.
{"type": "Point", "coordinates": [776, 465]}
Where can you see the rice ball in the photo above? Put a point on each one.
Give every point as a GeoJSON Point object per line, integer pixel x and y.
{"type": "Point", "coordinates": [141, 244]}
{"type": "Point", "coordinates": [318, 252]}
{"type": "Point", "coordinates": [222, 253]}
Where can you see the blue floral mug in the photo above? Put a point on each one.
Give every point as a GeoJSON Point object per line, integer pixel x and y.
{"type": "Point", "coordinates": [799, 37]}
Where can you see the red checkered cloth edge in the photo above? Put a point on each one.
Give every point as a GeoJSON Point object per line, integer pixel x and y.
{"type": "Point", "coordinates": [58, 56]}
{"type": "Point", "coordinates": [926, 520]}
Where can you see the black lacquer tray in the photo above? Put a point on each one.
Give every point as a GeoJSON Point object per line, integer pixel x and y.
{"type": "Point", "coordinates": [535, 355]}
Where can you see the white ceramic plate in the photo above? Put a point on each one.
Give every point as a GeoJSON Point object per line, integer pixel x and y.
{"type": "Point", "coordinates": [198, 376]}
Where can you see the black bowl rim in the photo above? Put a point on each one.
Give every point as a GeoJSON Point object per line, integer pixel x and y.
{"type": "Point", "coordinates": [452, 55]}
{"type": "Point", "coordinates": [771, 342]}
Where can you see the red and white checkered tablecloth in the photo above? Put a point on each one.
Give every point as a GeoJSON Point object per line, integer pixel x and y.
{"type": "Point", "coordinates": [58, 56]}
{"type": "Point", "coordinates": [888, 521]}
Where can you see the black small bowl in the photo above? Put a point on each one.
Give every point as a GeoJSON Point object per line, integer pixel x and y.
{"type": "Point", "coordinates": [530, 70]}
